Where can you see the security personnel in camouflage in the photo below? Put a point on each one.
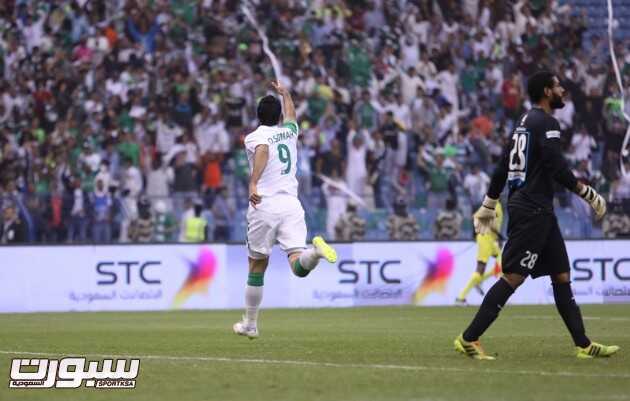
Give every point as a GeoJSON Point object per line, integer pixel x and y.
{"type": "Point", "coordinates": [401, 225]}
{"type": "Point", "coordinates": [350, 226]}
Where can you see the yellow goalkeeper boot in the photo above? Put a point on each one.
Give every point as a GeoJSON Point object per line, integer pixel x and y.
{"type": "Point", "coordinates": [596, 350]}
{"type": "Point", "coordinates": [472, 349]}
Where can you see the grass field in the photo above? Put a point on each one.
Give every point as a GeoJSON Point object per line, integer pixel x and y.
{"type": "Point", "coordinates": [329, 354]}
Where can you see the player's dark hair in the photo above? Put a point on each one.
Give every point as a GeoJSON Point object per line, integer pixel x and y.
{"type": "Point", "coordinates": [269, 110]}
{"type": "Point", "coordinates": [537, 83]}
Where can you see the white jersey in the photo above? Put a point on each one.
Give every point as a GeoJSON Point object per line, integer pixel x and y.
{"type": "Point", "coordinates": [279, 174]}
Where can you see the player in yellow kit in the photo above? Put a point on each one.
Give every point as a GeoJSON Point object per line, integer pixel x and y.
{"type": "Point", "coordinates": [488, 245]}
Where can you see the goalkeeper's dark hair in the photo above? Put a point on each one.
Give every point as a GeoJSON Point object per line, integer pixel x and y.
{"type": "Point", "coordinates": [537, 83]}
{"type": "Point", "coordinates": [269, 110]}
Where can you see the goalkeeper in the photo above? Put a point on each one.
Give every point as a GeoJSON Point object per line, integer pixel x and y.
{"type": "Point", "coordinates": [488, 245]}
{"type": "Point", "coordinates": [531, 162]}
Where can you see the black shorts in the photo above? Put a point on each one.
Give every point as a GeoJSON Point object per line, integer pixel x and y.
{"type": "Point", "coordinates": [535, 245]}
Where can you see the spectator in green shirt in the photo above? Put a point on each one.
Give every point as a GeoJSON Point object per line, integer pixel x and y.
{"type": "Point", "coordinates": [437, 176]}
{"type": "Point", "coordinates": [241, 175]}
{"type": "Point", "coordinates": [128, 149]}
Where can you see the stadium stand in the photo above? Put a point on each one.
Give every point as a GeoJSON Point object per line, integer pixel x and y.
{"type": "Point", "coordinates": [116, 110]}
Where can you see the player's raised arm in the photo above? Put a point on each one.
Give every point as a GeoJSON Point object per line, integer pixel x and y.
{"type": "Point", "coordinates": [261, 157]}
{"type": "Point", "coordinates": [288, 108]}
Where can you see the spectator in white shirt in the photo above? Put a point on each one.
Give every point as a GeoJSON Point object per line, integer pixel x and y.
{"type": "Point", "coordinates": [401, 111]}
{"type": "Point", "coordinates": [409, 51]}
{"type": "Point", "coordinates": [131, 179]}
{"type": "Point", "coordinates": [581, 145]}
{"type": "Point", "coordinates": [447, 82]}
{"type": "Point", "coordinates": [410, 81]}
{"type": "Point", "coordinates": [356, 170]}
{"type": "Point", "coordinates": [159, 181]}
{"type": "Point", "coordinates": [425, 68]}
{"type": "Point", "coordinates": [476, 184]}
{"type": "Point", "coordinates": [565, 114]}
{"type": "Point", "coordinates": [621, 187]}
{"type": "Point", "coordinates": [32, 29]}
{"type": "Point", "coordinates": [167, 133]}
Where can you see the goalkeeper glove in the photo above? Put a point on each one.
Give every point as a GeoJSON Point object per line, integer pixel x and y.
{"type": "Point", "coordinates": [483, 218]}
{"type": "Point", "coordinates": [594, 199]}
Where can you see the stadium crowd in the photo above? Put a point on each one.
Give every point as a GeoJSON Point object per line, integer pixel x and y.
{"type": "Point", "coordinates": [123, 120]}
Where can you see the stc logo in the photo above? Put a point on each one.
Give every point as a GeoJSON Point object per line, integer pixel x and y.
{"type": "Point", "coordinates": [587, 269]}
{"type": "Point", "coordinates": [201, 272]}
{"type": "Point", "coordinates": [200, 275]}
{"type": "Point", "coordinates": [128, 272]}
{"type": "Point", "coordinates": [353, 270]}
{"type": "Point", "coordinates": [439, 271]}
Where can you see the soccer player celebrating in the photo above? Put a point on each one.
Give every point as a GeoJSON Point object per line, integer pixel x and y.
{"type": "Point", "coordinates": [530, 164]}
{"type": "Point", "coordinates": [487, 246]}
{"type": "Point", "coordinates": [275, 212]}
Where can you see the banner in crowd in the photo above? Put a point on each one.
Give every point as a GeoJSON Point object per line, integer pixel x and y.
{"type": "Point", "coordinates": [162, 277]}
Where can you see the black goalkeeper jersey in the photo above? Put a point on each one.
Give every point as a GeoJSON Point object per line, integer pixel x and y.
{"type": "Point", "coordinates": [531, 162]}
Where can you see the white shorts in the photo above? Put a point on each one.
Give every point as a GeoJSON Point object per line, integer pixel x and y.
{"type": "Point", "coordinates": [282, 220]}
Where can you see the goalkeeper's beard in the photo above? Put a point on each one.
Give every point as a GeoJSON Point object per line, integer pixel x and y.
{"type": "Point", "coordinates": [556, 102]}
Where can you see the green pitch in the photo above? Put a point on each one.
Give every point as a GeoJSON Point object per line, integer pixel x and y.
{"type": "Point", "coordinates": [330, 354]}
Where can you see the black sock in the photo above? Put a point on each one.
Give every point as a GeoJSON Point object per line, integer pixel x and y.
{"type": "Point", "coordinates": [570, 313]}
{"type": "Point", "coordinates": [492, 304]}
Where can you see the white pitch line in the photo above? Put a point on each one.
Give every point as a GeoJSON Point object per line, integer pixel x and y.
{"type": "Point", "coordinates": [550, 317]}
{"type": "Point", "coordinates": [546, 317]}
{"type": "Point", "coordinates": [335, 365]}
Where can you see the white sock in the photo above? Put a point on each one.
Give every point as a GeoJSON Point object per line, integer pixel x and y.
{"type": "Point", "coordinates": [253, 297]}
{"type": "Point", "coordinates": [309, 258]}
